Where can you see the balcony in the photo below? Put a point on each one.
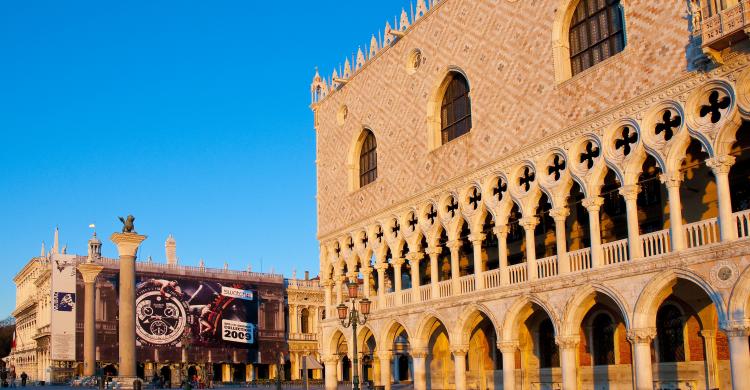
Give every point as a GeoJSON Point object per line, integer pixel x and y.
{"type": "Point", "coordinates": [721, 30]}
{"type": "Point", "coordinates": [303, 337]}
{"type": "Point", "coordinates": [697, 234]}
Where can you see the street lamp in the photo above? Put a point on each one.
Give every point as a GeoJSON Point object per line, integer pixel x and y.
{"type": "Point", "coordinates": [352, 318]}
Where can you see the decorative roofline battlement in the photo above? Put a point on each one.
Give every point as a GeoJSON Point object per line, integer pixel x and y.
{"type": "Point", "coordinates": [321, 87]}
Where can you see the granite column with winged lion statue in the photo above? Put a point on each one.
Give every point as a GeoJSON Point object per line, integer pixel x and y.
{"type": "Point", "coordinates": [127, 246]}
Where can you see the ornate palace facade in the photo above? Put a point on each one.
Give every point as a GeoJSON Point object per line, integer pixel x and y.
{"type": "Point", "coordinates": [541, 194]}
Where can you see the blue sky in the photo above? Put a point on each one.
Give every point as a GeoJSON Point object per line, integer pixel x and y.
{"type": "Point", "coordinates": [191, 115]}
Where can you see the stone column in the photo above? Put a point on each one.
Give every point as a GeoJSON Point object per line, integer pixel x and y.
{"type": "Point", "coordinates": [330, 363]}
{"type": "Point", "coordinates": [640, 339]}
{"type": "Point", "coordinates": [560, 215]}
{"type": "Point", "coordinates": [328, 290]}
{"type": "Point", "coordinates": [340, 370]}
{"type": "Point", "coordinates": [127, 247]}
{"type": "Point", "coordinates": [720, 167]}
{"type": "Point", "coordinates": [434, 253]}
{"type": "Point", "coordinates": [502, 252]}
{"type": "Point", "coordinates": [568, 350]}
{"type": "Point", "coordinates": [89, 272]}
{"type": "Point", "coordinates": [672, 181]}
{"type": "Point", "coordinates": [459, 362]}
{"type": "Point", "coordinates": [339, 289]}
{"type": "Point", "coordinates": [712, 362]}
{"type": "Point", "coordinates": [739, 355]}
{"type": "Point", "coordinates": [630, 193]}
{"type": "Point", "coordinates": [529, 223]}
{"type": "Point", "coordinates": [419, 360]}
{"type": "Point", "coordinates": [385, 369]}
{"type": "Point", "coordinates": [414, 258]}
{"type": "Point", "coordinates": [455, 248]}
{"type": "Point", "coordinates": [292, 319]}
{"type": "Point", "coordinates": [509, 348]}
{"type": "Point", "coordinates": [476, 242]}
{"type": "Point", "coordinates": [593, 205]}
{"type": "Point", "coordinates": [366, 272]}
{"type": "Point", "coordinates": [397, 263]}
{"type": "Point", "coordinates": [381, 267]}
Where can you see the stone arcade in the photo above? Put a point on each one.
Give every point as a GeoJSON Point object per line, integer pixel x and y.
{"type": "Point", "coordinates": [541, 194]}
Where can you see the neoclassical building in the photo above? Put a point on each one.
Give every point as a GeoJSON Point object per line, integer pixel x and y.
{"type": "Point", "coordinates": [288, 313]}
{"type": "Point", "coordinates": [540, 195]}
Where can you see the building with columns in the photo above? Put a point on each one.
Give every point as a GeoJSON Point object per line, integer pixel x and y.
{"type": "Point", "coordinates": [540, 195]}
{"type": "Point", "coordinates": [191, 351]}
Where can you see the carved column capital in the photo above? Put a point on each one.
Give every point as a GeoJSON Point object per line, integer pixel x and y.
{"type": "Point", "coordinates": [568, 342]}
{"type": "Point", "coordinates": [593, 203]}
{"type": "Point", "coordinates": [459, 350]}
{"type": "Point", "coordinates": [528, 223]}
{"type": "Point", "coordinates": [398, 261]}
{"type": "Point", "coordinates": [454, 245]}
{"type": "Point", "coordinates": [720, 165]}
{"type": "Point", "coordinates": [434, 250]}
{"type": "Point", "coordinates": [381, 267]}
{"type": "Point", "coordinates": [501, 231]}
{"type": "Point", "coordinates": [477, 238]}
{"type": "Point", "coordinates": [418, 353]}
{"type": "Point", "coordinates": [671, 180]}
{"type": "Point", "coordinates": [630, 192]}
{"type": "Point", "coordinates": [640, 336]}
{"type": "Point", "coordinates": [738, 329]}
{"type": "Point", "coordinates": [89, 271]}
{"type": "Point", "coordinates": [414, 257]}
{"type": "Point", "coordinates": [384, 356]}
{"type": "Point", "coordinates": [366, 271]}
{"type": "Point", "coordinates": [327, 283]}
{"type": "Point", "coordinates": [508, 346]}
{"type": "Point", "coordinates": [330, 360]}
{"type": "Point", "coordinates": [559, 213]}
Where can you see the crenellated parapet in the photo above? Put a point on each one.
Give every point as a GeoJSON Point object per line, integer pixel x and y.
{"type": "Point", "coordinates": [321, 87]}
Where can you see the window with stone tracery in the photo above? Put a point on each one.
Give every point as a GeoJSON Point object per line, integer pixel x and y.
{"type": "Point", "coordinates": [368, 160]}
{"type": "Point", "coordinates": [455, 111]}
{"type": "Point", "coordinates": [597, 32]}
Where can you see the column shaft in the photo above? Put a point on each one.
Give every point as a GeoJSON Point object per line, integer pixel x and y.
{"type": "Point", "coordinates": [397, 263]}
{"type": "Point", "coordinates": [593, 205]}
{"type": "Point", "coordinates": [414, 263]}
{"type": "Point", "coordinates": [434, 275]}
{"type": "Point", "coordinates": [126, 331]}
{"type": "Point", "coordinates": [89, 330]}
{"type": "Point", "coordinates": [560, 214]}
{"type": "Point", "coordinates": [509, 368]}
{"type": "Point", "coordinates": [420, 371]}
{"type": "Point", "coordinates": [385, 371]}
{"type": "Point", "coordinates": [455, 247]}
{"type": "Point", "coordinates": [381, 285]}
{"type": "Point", "coordinates": [459, 362]}
{"type": "Point", "coordinates": [630, 193]}
{"type": "Point", "coordinates": [739, 359]}
{"type": "Point", "coordinates": [640, 339]}
{"type": "Point", "coordinates": [476, 242]}
{"type": "Point", "coordinates": [331, 381]}
{"type": "Point", "coordinates": [568, 364]}
{"type": "Point", "coordinates": [677, 234]}
{"type": "Point", "coordinates": [720, 167]}
{"type": "Point", "coordinates": [502, 252]}
{"type": "Point", "coordinates": [529, 223]}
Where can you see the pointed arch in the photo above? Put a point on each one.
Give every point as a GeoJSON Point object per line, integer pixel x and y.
{"type": "Point", "coordinates": [426, 325]}
{"type": "Point", "coordinates": [469, 318]}
{"type": "Point", "coordinates": [580, 303]}
{"type": "Point", "coordinates": [389, 333]}
{"type": "Point", "coordinates": [523, 307]}
{"type": "Point", "coordinates": [739, 301]}
{"type": "Point", "coordinates": [658, 289]}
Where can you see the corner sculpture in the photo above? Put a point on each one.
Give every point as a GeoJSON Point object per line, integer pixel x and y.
{"type": "Point", "coordinates": [127, 224]}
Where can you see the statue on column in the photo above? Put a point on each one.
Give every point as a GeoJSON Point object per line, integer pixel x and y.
{"type": "Point", "coordinates": [127, 224]}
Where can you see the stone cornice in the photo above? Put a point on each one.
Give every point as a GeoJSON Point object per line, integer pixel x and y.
{"type": "Point", "coordinates": [677, 89]}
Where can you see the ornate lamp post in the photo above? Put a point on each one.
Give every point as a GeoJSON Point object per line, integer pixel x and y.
{"type": "Point", "coordinates": [352, 318]}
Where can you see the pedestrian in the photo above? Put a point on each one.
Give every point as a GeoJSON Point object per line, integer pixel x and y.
{"type": "Point", "coordinates": [12, 377]}
{"type": "Point", "coordinates": [24, 377]}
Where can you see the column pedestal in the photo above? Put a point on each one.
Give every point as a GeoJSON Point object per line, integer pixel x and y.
{"type": "Point", "coordinates": [127, 247]}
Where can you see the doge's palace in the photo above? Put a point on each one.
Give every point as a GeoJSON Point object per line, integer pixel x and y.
{"type": "Point", "coordinates": [540, 195]}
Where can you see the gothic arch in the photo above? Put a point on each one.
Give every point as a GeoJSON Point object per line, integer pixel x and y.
{"type": "Point", "coordinates": [352, 161]}
{"type": "Point", "coordinates": [425, 327]}
{"type": "Point", "coordinates": [467, 320]}
{"type": "Point", "coordinates": [739, 301]}
{"type": "Point", "coordinates": [334, 341]}
{"type": "Point", "coordinates": [657, 290]}
{"type": "Point", "coordinates": [435, 102]}
{"type": "Point", "coordinates": [390, 332]}
{"type": "Point", "coordinates": [523, 307]}
{"type": "Point", "coordinates": [581, 302]}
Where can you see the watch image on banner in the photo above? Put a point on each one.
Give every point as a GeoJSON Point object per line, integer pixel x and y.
{"type": "Point", "coordinates": [63, 321]}
{"type": "Point", "coordinates": [172, 312]}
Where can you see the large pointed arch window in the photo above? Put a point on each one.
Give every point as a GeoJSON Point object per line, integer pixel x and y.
{"type": "Point", "coordinates": [368, 159]}
{"type": "Point", "coordinates": [597, 32]}
{"type": "Point", "coordinates": [455, 111]}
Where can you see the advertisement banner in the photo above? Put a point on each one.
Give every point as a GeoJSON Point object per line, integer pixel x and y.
{"type": "Point", "coordinates": [181, 312]}
{"type": "Point", "coordinates": [63, 321]}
